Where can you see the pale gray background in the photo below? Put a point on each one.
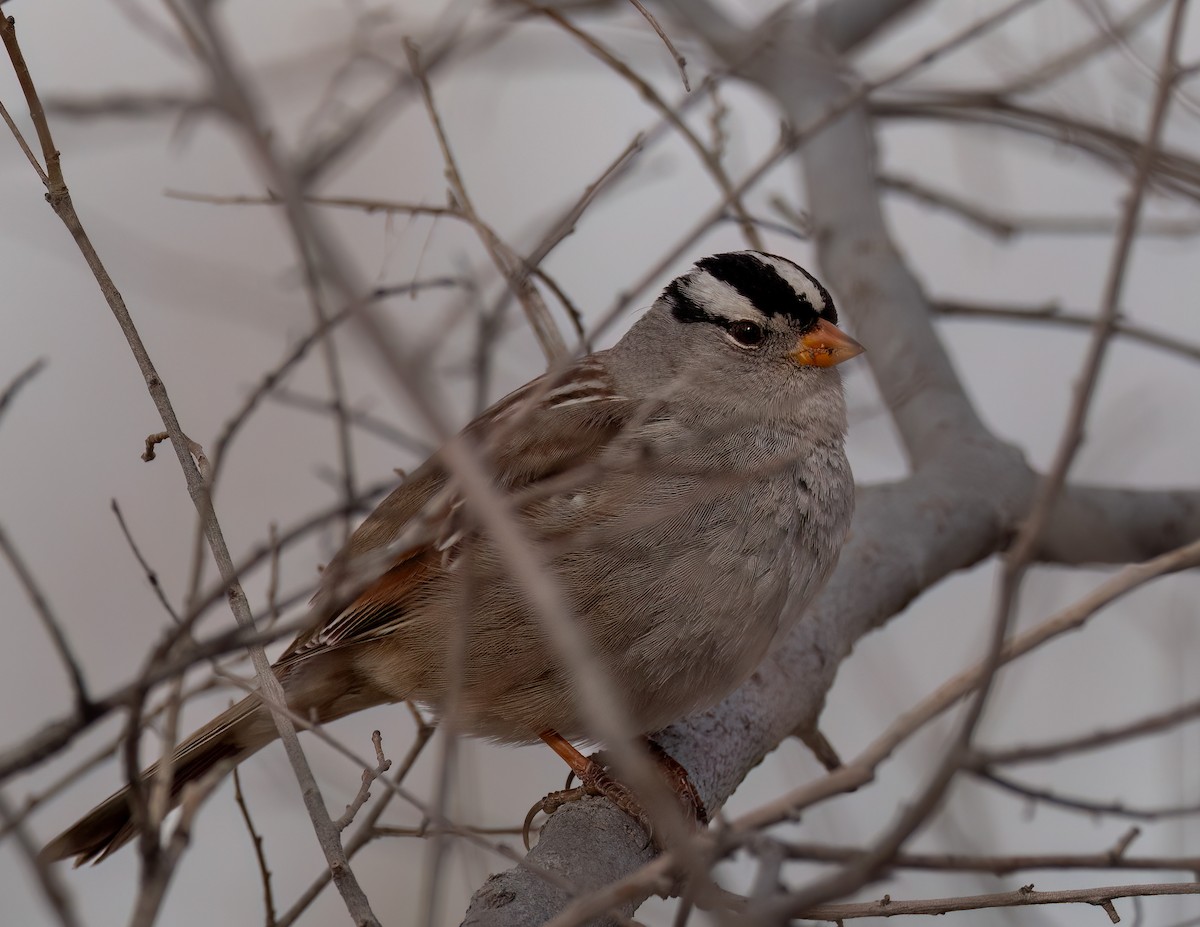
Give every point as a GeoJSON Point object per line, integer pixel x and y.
{"type": "Point", "coordinates": [216, 296]}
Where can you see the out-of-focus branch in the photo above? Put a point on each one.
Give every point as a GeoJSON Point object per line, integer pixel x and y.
{"type": "Point", "coordinates": [1096, 740]}
{"type": "Point", "coordinates": [1072, 58]}
{"type": "Point", "coordinates": [1172, 170]}
{"type": "Point", "coordinates": [57, 897]}
{"type": "Point", "coordinates": [1054, 314]}
{"type": "Point", "coordinates": [1005, 226]}
{"type": "Point", "coordinates": [17, 383]}
{"type": "Point", "coordinates": [505, 259]}
{"type": "Point", "coordinates": [710, 159]}
{"type": "Point", "coordinates": [37, 598]}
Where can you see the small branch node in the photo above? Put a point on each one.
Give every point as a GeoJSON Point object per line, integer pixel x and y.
{"type": "Point", "coordinates": [152, 441]}
{"type": "Point", "coordinates": [369, 775]}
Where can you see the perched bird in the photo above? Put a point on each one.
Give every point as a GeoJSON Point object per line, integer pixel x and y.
{"type": "Point", "coordinates": [680, 487]}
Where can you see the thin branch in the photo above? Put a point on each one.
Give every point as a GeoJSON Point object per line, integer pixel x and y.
{"type": "Point", "coordinates": [60, 201]}
{"type": "Point", "coordinates": [48, 880]}
{"type": "Point", "coordinates": [1070, 60]}
{"type": "Point", "coordinates": [548, 335]}
{"type": "Point", "coordinates": [83, 701]}
{"type": "Point", "coordinates": [710, 161]}
{"type": "Point", "coordinates": [1053, 314]}
{"type": "Point", "coordinates": [1173, 170]}
{"type": "Point", "coordinates": [1007, 226]}
{"type": "Point", "coordinates": [1022, 897]}
{"type": "Point", "coordinates": [260, 855]}
{"type": "Point", "coordinates": [153, 890]}
{"type": "Point", "coordinates": [366, 830]}
{"type": "Point", "coordinates": [293, 356]}
{"type": "Point", "coordinates": [369, 775]}
{"type": "Point", "coordinates": [150, 573]}
{"type": "Point", "coordinates": [680, 61]}
{"type": "Point", "coordinates": [1083, 805]}
{"type": "Point", "coordinates": [1105, 737]}
{"type": "Point", "coordinates": [364, 420]}
{"type": "Point", "coordinates": [998, 865]}
{"type": "Point", "coordinates": [369, 205]}
{"type": "Point", "coordinates": [19, 382]}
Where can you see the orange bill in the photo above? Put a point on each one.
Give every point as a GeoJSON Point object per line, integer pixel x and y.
{"type": "Point", "coordinates": [825, 345]}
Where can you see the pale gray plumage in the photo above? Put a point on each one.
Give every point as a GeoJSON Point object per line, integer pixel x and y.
{"type": "Point", "coordinates": [681, 486]}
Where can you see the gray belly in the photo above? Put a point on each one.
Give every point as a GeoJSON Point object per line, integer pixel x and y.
{"type": "Point", "coordinates": [679, 598]}
{"type": "Point", "coordinates": [678, 610]}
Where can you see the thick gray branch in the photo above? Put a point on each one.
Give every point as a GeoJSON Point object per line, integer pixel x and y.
{"type": "Point", "coordinates": [1098, 524]}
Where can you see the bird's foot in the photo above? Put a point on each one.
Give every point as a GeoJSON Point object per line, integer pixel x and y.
{"type": "Point", "coordinates": [595, 779]}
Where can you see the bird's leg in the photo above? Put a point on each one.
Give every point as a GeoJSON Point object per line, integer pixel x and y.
{"type": "Point", "coordinates": [594, 779]}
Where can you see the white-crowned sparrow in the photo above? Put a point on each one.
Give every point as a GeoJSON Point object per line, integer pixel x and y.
{"type": "Point", "coordinates": [681, 487]}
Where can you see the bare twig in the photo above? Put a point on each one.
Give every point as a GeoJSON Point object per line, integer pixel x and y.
{"type": "Point", "coordinates": [1070, 60]}
{"type": "Point", "coordinates": [1053, 314]}
{"type": "Point", "coordinates": [548, 335]}
{"type": "Point", "coordinates": [1022, 897]}
{"type": "Point", "coordinates": [369, 775]}
{"type": "Point", "coordinates": [153, 889]}
{"type": "Point", "coordinates": [1114, 858]}
{"type": "Point", "coordinates": [60, 201]}
{"type": "Point", "coordinates": [369, 205]}
{"type": "Point", "coordinates": [1173, 170]}
{"type": "Point", "coordinates": [84, 706]}
{"type": "Point", "coordinates": [366, 830]}
{"type": "Point", "coordinates": [260, 855]}
{"type": "Point", "coordinates": [1087, 806]}
{"type": "Point", "coordinates": [364, 420]}
{"type": "Point", "coordinates": [1142, 727]}
{"type": "Point", "coordinates": [293, 356]}
{"type": "Point", "coordinates": [1007, 226]}
{"type": "Point", "coordinates": [150, 573]}
{"type": "Point", "coordinates": [680, 61]}
{"type": "Point", "coordinates": [55, 893]}
{"type": "Point", "coordinates": [710, 161]}
{"type": "Point", "coordinates": [18, 382]}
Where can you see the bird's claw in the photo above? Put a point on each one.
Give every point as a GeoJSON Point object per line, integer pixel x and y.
{"type": "Point", "coordinates": [596, 781]}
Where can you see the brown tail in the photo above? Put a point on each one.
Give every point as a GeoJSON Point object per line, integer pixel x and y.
{"type": "Point", "coordinates": [235, 735]}
{"type": "Point", "coordinates": [323, 686]}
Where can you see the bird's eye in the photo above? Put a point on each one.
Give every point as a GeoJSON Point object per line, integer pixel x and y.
{"type": "Point", "coordinates": [747, 333]}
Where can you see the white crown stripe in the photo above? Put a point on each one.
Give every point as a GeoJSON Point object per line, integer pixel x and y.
{"type": "Point", "coordinates": [796, 279]}
{"type": "Point", "coordinates": [706, 290]}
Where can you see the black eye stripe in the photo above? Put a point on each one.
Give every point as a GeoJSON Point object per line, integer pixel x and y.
{"type": "Point", "coordinates": [683, 307]}
{"type": "Point", "coordinates": [686, 309]}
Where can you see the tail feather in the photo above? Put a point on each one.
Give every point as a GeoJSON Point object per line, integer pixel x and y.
{"type": "Point", "coordinates": [322, 686]}
{"type": "Point", "coordinates": [234, 735]}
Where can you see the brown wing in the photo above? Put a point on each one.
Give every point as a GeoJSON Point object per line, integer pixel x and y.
{"type": "Point", "coordinates": [540, 431]}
